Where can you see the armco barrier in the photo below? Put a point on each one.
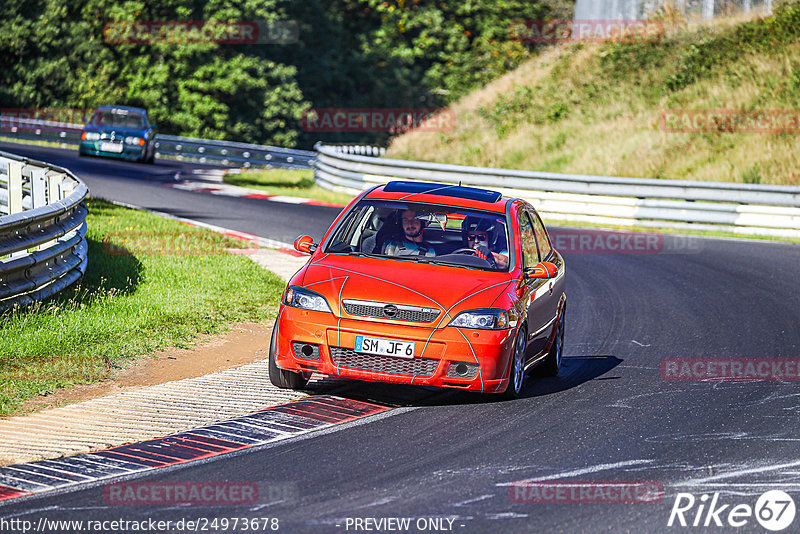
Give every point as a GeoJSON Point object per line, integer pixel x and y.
{"type": "Point", "coordinates": [226, 153]}
{"type": "Point", "coordinates": [771, 210]}
{"type": "Point", "coordinates": [43, 245]}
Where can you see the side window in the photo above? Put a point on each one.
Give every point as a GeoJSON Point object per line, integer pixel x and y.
{"type": "Point", "coordinates": [530, 254]}
{"type": "Point", "coordinates": [541, 236]}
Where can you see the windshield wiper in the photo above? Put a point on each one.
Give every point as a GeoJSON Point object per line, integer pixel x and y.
{"type": "Point", "coordinates": [364, 254]}
{"type": "Point", "coordinates": [457, 264]}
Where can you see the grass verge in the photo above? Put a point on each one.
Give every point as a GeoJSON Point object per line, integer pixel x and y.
{"type": "Point", "coordinates": [289, 182]}
{"type": "Point", "coordinates": [151, 283]}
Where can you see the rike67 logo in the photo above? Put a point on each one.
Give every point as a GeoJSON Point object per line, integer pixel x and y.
{"type": "Point", "coordinates": [774, 510]}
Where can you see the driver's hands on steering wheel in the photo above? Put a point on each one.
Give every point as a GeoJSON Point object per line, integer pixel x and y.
{"type": "Point", "coordinates": [484, 253]}
{"type": "Point", "coordinates": [481, 251]}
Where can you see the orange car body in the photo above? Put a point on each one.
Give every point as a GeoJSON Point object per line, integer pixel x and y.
{"type": "Point", "coordinates": [416, 302]}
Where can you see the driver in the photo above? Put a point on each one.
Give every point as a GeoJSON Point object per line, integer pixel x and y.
{"type": "Point", "coordinates": [481, 236]}
{"type": "Point", "coordinates": [411, 243]}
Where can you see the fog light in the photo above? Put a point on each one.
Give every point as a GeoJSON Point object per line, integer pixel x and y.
{"type": "Point", "coordinates": [306, 351]}
{"type": "Point", "coordinates": [462, 370]}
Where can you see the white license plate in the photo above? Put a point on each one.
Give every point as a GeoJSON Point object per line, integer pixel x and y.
{"type": "Point", "coordinates": [385, 347]}
{"type": "Point", "coordinates": [111, 147]}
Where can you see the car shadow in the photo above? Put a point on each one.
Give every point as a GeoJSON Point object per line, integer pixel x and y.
{"type": "Point", "coordinates": [575, 371]}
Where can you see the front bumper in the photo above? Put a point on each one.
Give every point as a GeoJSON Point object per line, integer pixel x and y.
{"type": "Point", "coordinates": [486, 354]}
{"type": "Point", "coordinates": [92, 148]}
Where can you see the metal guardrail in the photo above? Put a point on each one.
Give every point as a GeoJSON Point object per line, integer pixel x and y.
{"type": "Point", "coordinates": [772, 210]}
{"type": "Point", "coordinates": [43, 245]}
{"type": "Point", "coordinates": [229, 153]}
{"type": "Point", "coordinates": [226, 153]}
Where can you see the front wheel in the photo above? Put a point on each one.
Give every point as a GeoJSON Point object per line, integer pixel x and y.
{"type": "Point", "coordinates": [516, 377]}
{"type": "Point", "coordinates": [281, 378]}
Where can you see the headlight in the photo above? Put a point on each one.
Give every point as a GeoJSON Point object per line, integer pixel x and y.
{"type": "Point", "coordinates": [133, 140]}
{"type": "Point", "coordinates": [487, 319]}
{"type": "Point", "coordinates": [91, 136]}
{"type": "Point", "coordinates": [306, 299]}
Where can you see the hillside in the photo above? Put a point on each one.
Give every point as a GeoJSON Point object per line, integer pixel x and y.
{"type": "Point", "coordinates": [598, 108]}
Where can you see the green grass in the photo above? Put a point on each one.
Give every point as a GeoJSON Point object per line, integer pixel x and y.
{"type": "Point", "coordinates": [151, 283]}
{"type": "Point", "coordinates": [295, 183]}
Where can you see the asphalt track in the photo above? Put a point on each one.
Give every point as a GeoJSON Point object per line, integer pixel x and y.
{"type": "Point", "coordinates": [608, 417]}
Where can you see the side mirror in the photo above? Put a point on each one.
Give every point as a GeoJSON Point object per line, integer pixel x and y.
{"type": "Point", "coordinates": [305, 243]}
{"type": "Point", "coordinates": [543, 269]}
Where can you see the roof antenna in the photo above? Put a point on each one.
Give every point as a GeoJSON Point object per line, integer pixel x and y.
{"type": "Point", "coordinates": [459, 183]}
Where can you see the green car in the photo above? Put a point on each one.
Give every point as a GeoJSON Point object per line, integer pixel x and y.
{"type": "Point", "coordinates": [119, 132]}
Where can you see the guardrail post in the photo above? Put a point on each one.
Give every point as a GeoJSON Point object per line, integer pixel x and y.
{"type": "Point", "coordinates": [15, 193]}
{"type": "Point", "coordinates": [54, 188]}
{"type": "Point", "coordinates": [39, 196]}
{"type": "Point", "coordinates": [14, 187]}
{"type": "Point", "coordinates": [38, 188]}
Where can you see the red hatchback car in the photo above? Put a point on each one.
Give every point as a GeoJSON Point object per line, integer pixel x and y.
{"type": "Point", "coordinates": [425, 284]}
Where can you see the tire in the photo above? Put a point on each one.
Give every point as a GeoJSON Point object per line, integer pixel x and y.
{"type": "Point", "coordinates": [552, 362]}
{"type": "Point", "coordinates": [281, 378]}
{"type": "Point", "coordinates": [516, 376]}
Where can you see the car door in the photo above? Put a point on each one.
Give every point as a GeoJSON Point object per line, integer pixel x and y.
{"type": "Point", "coordinates": [537, 315]}
{"type": "Point", "coordinates": [555, 285]}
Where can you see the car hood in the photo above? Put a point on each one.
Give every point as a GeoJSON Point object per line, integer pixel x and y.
{"type": "Point", "coordinates": [403, 282]}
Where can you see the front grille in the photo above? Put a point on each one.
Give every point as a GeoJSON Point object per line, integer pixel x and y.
{"type": "Point", "coordinates": [468, 370]}
{"type": "Point", "coordinates": [383, 364]}
{"type": "Point", "coordinates": [298, 351]}
{"type": "Point", "coordinates": [383, 310]}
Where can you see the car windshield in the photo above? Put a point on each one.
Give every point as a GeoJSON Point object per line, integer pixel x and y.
{"type": "Point", "coordinates": [118, 119]}
{"type": "Point", "coordinates": [423, 233]}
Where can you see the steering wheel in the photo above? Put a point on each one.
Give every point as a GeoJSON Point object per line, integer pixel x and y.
{"type": "Point", "coordinates": [473, 252]}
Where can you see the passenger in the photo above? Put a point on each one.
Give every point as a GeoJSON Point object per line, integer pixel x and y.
{"type": "Point", "coordinates": [411, 243]}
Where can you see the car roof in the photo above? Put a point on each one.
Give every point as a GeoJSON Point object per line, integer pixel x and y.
{"type": "Point", "coordinates": [439, 193]}
{"type": "Point", "coordinates": [126, 108]}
